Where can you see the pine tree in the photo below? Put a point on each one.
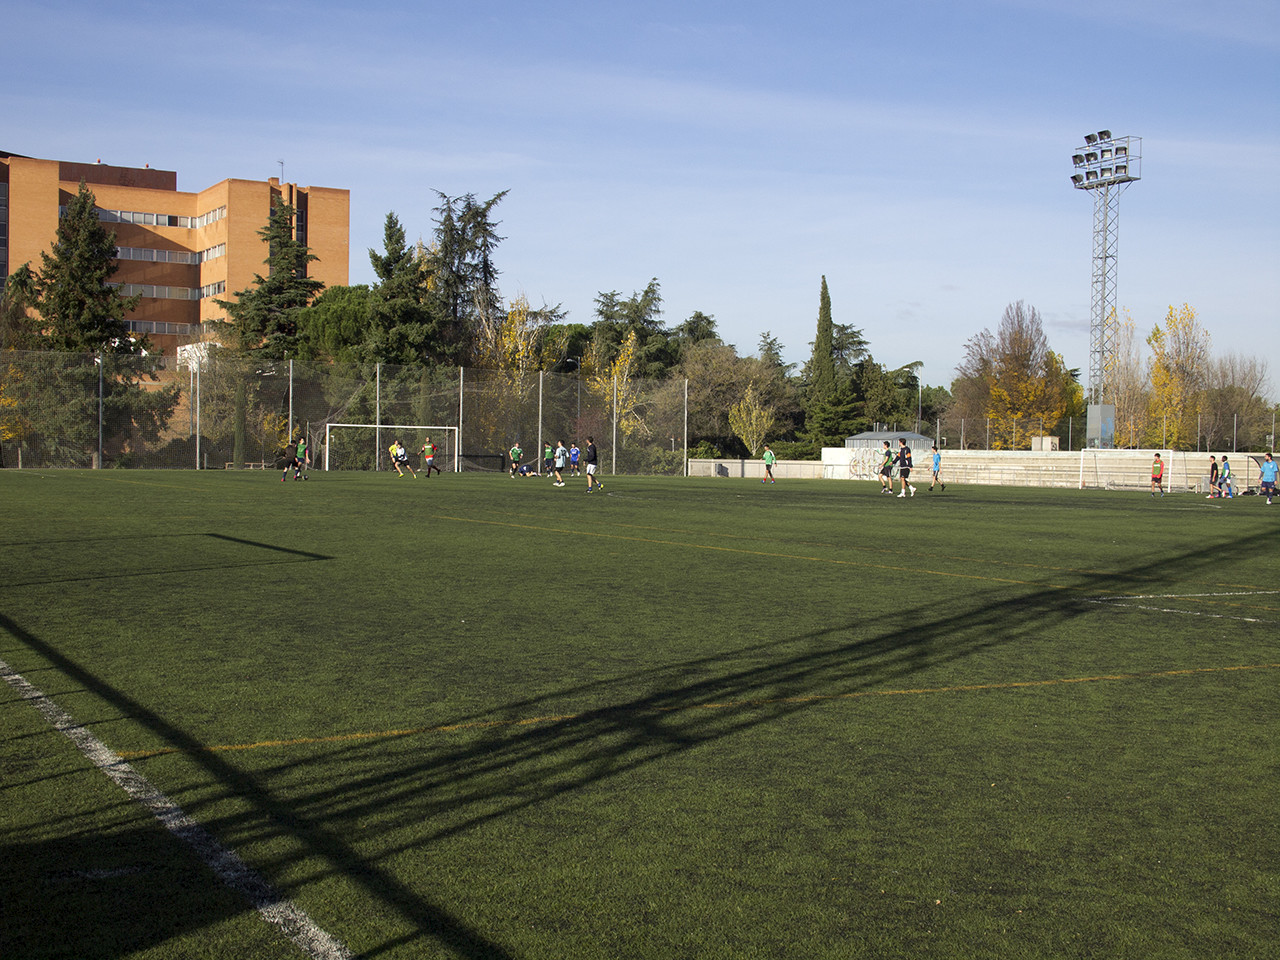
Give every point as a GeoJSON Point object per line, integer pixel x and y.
{"type": "Point", "coordinates": [265, 316]}
{"type": "Point", "coordinates": [822, 367]}
{"type": "Point", "coordinates": [81, 311]}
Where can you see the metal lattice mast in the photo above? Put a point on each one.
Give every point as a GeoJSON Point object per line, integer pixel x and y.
{"type": "Point", "coordinates": [1106, 165]}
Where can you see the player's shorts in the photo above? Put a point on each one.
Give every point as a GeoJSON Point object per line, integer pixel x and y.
{"type": "Point", "coordinates": [1269, 488]}
{"type": "Point", "coordinates": [886, 471]}
{"type": "Point", "coordinates": [904, 473]}
{"type": "Point", "coordinates": [591, 469]}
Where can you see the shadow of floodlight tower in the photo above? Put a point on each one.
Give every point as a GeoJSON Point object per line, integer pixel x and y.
{"type": "Point", "coordinates": [1106, 165]}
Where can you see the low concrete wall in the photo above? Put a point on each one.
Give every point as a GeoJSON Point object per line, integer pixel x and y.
{"type": "Point", "coordinates": [1106, 469]}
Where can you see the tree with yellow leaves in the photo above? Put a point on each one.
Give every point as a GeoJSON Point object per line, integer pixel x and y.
{"type": "Point", "coordinates": [1179, 366]}
{"type": "Point", "coordinates": [614, 382]}
{"type": "Point", "coordinates": [751, 419]}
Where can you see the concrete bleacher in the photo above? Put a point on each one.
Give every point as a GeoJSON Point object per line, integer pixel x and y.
{"type": "Point", "coordinates": [1105, 469]}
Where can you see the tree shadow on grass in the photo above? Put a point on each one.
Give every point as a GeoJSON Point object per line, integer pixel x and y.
{"type": "Point", "coordinates": [446, 788]}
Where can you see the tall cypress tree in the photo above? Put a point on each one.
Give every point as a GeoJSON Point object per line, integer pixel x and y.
{"type": "Point", "coordinates": [822, 367]}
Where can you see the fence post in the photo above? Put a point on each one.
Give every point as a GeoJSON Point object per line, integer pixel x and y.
{"type": "Point", "coordinates": [101, 360]}
{"type": "Point", "coordinates": [199, 364]}
{"type": "Point", "coordinates": [613, 468]}
{"type": "Point", "coordinates": [290, 439]}
{"type": "Point", "coordinates": [377, 417]}
{"type": "Point", "coordinates": [538, 448]}
{"type": "Point", "coordinates": [457, 450]}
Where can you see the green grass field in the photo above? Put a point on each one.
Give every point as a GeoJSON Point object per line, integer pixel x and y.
{"type": "Point", "coordinates": [478, 717]}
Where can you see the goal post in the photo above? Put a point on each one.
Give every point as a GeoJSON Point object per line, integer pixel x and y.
{"type": "Point", "coordinates": [1111, 469]}
{"type": "Point", "coordinates": [362, 446]}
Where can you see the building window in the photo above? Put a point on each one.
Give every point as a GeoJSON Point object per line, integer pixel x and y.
{"type": "Point", "coordinates": [156, 256]}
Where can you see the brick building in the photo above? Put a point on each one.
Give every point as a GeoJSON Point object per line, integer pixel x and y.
{"type": "Point", "coordinates": [180, 250]}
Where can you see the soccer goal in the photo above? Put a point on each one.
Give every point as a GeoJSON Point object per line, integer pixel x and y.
{"type": "Point", "coordinates": [1131, 469]}
{"type": "Point", "coordinates": [363, 446]}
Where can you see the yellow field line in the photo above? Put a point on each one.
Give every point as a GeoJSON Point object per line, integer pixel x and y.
{"type": "Point", "coordinates": [719, 705]}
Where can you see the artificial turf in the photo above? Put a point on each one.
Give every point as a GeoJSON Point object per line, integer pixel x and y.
{"type": "Point", "coordinates": [481, 717]}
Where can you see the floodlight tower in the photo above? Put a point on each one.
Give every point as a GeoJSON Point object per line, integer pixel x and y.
{"type": "Point", "coordinates": [1106, 165]}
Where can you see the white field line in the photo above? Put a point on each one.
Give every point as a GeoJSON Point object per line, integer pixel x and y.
{"type": "Point", "coordinates": [1126, 602]}
{"type": "Point", "coordinates": [228, 866]}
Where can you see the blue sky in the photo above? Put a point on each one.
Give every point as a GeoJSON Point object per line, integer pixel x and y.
{"type": "Point", "coordinates": [915, 153]}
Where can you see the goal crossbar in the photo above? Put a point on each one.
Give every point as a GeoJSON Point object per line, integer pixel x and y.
{"type": "Point", "coordinates": [379, 428]}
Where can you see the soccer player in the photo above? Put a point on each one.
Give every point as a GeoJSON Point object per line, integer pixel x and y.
{"type": "Point", "coordinates": [886, 469]}
{"type": "Point", "coordinates": [546, 460]}
{"type": "Point", "coordinates": [515, 453]}
{"type": "Point", "coordinates": [400, 458]}
{"type": "Point", "coordinates": [937, 468]}
{"type": "Point", "coordinates": [769, 461]}
{"type": "Point", "coordinates": [1269, 471]}
{"type": "Point", "coordinates": [429, 458]}
{"type": "Point", "coordinates": [561, 456]}
{"type": "Point", "coordinates": [1226, 486]}
{"type": "Point", "coordinates": [1213, 479]}
{"type": "Point", "coordinates": [574, 454]}
{"type": "Point", "coordinates": [903, 460]}
{"type": "Point", "coordinates": [1157, 475]}
{"type": "Point", "coordinates": [593, 461]}
{"type": "Point", "coordinates": [300, 459]}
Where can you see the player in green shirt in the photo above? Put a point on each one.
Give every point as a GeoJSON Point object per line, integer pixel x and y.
{"type": "Point", "coordinates": [516, 454]}
{"type": "Point", "coordinates": [769, 461]}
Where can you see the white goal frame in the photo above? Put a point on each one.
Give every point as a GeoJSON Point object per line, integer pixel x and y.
{"type": "Point", "coordinates": [378, 428]}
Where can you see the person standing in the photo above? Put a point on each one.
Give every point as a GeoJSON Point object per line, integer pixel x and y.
{"type": "Point", "coordinates": [574, 455]}
{"type": "Point", "coordinates": [1269, 471]}
{"type": "Point", "coordinates": [1213, 479]}
{"type": "Point", "coordinates": [515, 453]}
{"type": "Point", "coordinates": [769, 461]}
{"type": "Point", "coordinates": [886, 469]}
{"type": "Point", "coordinates": [903, 460]}
{"type": "Point", "coordinates": [1226, 486]}
{"type": "Point", "coordinates": [561, 456]}
{"type": "Point", "coordinates": [593, 462]}
{"type": "Point", "coordinates": [546, 460]}
{"type": "Point", "coordinates": [1157, 476]}
{"type": "Point", "coordinates": [937, 468]}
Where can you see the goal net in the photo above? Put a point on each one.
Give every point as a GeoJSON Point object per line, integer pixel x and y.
{"type": "Point", "coordinates": [364, 446]}
{"type": "Point", "coordinates": [1131, 469]}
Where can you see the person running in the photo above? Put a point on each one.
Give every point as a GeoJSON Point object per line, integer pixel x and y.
{"type": "Point", "coordinates": [515, 453]}
{"type": "Point", "coordinates": [400, 458]}
{"type": "Point", "coordinates": [937, 468]}
{"type": "Point", "coordinates": [769, 461]}
{"type": "Point", "coordinates": [561, 458]}
{"type": "Point", "coordinates": [1226, 485]}
{"type": "Point", "coordinates": [574, 455]}
{"type": "Point", "coordinates": [1269, 471]}
{"type": "Point", "coordinates": [1214, 491]}
{"type": "Point", "coordinates": [593, 462]}
{"type": "Point", "coordinates": [293, 462]}
{"type": "Point", "coordinates": [886, 469]}
{"type": "Point", "coordinates": [1157, 476]}
{"type": "Point", "coordinates": [429, 458]}
{"type": "Point", "coordinates": [903, 460]}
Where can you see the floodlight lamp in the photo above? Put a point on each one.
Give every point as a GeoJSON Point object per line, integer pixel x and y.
{"type": "Point", "coordinates": [1122, 152]}
{"type": "Point", "coordinates": [1091, 156]}
{"type": "Point", "coordinates": [1106, 153]}
{"type": "Point", "coordinates": [1104, 134]}
{"type": "Point", "coordinates": [1091, 175]}
{"type": "Point", "coordinates": [1091, 138]}
{"type": "Point", "coordinates": [1106, 173]}
{"type": "Point", "coordinates": [1078, 159]}
{"type": "Point", "coordinates": [1122, 169]}
{"type": "Point", "coordinates": [1077, 179]}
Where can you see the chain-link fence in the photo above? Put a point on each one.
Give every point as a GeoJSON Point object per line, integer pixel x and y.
{"type": "Point", "coordinates": [209, 409]}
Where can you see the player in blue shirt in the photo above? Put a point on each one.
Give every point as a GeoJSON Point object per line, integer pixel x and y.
{"type": "Point", "coordinates": [1269, 470]}
{"type": "Point", "coordinates": [937, 468]}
